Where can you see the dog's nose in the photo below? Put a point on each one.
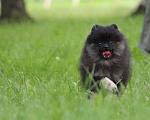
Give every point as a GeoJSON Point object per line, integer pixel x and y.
{"type": "Point", "coordinates": [106, 46]}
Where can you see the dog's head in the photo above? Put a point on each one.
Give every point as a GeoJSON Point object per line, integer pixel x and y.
{"type": "Point", "coordinates": [105, 42]}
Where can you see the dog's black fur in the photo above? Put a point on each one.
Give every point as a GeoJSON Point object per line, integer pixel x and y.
{"type": "Point", "coordinates": [116, 66]}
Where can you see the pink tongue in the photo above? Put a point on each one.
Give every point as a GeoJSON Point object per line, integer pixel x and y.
{"type": "Point", "coordinates": [106, 53]}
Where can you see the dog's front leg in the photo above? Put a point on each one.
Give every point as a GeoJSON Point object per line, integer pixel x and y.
{"type": "Point", "coordinates": [109, 85]}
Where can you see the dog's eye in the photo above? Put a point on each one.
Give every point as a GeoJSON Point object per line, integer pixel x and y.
{"type": "Point", "coordinates": [99, 43]}
{"type": "Point", "coordinates": [111, 42]}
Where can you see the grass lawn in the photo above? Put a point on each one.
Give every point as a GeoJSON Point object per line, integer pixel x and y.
{"type": "Point", "coordinates": [39, 78]}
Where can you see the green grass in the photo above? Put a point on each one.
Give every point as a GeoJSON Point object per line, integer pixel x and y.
{"type": "Point", "coordinates": [34, 85]}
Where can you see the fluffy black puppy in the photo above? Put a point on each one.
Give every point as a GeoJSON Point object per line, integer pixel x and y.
{"type": "Point", "coordinates": [105, 54]}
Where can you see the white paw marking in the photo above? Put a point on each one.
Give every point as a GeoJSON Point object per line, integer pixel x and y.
{"type": "Point", "coordinates": [108, 84]}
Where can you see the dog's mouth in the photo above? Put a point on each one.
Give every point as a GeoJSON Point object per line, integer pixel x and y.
{"type": "Point", "coordinates": [107, 54]}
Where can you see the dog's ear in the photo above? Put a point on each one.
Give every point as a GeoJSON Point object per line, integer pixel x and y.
{"type": "Point", "coordinates": [114, 26]}
{"type": "Point", "coordinates": [95, 27]}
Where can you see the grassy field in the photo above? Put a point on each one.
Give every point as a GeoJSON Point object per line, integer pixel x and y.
{"type": "Point", "coordinates": [39, 78]}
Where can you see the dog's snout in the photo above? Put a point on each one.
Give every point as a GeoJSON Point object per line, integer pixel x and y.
{"type": "Point", "coordinates": [106, 46]}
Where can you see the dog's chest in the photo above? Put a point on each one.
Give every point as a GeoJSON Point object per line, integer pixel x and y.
{"type": "Point", "coordinates": [114, 73]}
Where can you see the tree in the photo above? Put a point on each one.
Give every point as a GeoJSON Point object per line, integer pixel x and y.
{"type": "Point", "coordinates": [141, 8]}
{"type": "Point", "coordinates": [144, 43]}
{"type": "Point", "coordinates": [13, 10]}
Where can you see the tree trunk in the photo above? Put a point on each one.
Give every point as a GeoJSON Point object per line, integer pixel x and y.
{"type": "Point", "coordinates": [141, 8]}
{"type": "Point", "coordinates": [13, 10]}
{"type": "Point", "coordinates": [144, 42]}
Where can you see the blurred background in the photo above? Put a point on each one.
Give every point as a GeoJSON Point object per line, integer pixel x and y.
{"type": "Point", "coordinates": [44, 7]}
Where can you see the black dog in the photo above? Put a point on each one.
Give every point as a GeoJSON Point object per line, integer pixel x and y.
{"type": "Point", "coordinates": [105, 55]}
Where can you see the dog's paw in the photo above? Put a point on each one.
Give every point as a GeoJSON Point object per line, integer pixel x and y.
{"type": "Point", "coordinates": [109, 85]}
